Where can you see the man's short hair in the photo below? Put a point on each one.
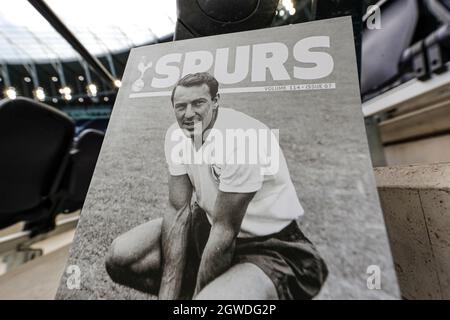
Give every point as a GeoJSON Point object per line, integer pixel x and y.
{"type": "Point", "coordinates": [197, 79]}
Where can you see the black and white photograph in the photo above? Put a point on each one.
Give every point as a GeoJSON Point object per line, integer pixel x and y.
{"type": "Point", "coordinates": [240, 236]}
{"type": "Point", "coordinates": [235, 167]}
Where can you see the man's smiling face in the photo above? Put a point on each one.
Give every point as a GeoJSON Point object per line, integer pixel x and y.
{"type": "Point", "coordinates": [193, 107]}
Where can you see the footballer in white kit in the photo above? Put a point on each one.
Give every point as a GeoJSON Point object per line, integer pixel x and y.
{"type": "Point", "coordinates": [233, 233]}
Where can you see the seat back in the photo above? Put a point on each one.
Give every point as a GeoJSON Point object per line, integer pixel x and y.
{"type": "Point", "coordinates": [35, 140]}
{"type": "Point", "coordinates": [382, 49]}
{"type": "Point", "coordinates": [81, 168]}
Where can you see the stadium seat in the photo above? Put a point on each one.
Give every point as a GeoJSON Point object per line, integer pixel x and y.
{"type": "Point", "coordinates": [79, 172]}
{"type": "Point", "coordinates": [382, 49]}
{"type": "Point", "coordinates": [35, 140]}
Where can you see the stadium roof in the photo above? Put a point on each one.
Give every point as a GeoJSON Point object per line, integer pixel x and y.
{"type": "Point", "coordinates": [102, 26]}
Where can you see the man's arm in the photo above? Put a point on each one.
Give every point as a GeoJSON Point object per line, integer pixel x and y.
{"type": "Point", "coordinates": [229, 211]}
{"type": "Point", "coordinates": [174, 234]}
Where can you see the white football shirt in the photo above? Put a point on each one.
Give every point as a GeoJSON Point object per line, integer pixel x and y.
{"type": "Point", "coordinates": [232, 160]}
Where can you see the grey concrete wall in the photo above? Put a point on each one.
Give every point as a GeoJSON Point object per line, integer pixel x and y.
{"type": "Point", "coordinates": [416, 206]}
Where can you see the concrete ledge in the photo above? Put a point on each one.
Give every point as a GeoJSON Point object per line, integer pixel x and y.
{"type": "Point", "coordinates": [416, 206]}
{"type": "Point", "coordinates": [414, 176]}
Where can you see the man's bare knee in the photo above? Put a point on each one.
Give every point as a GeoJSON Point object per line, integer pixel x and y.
{"type": "Point", "coordinates": [115, 262]}
{"type": "Point", "coordinates": [119, 267]}
{"type": "Point", "coordinates": [133, 258]}
{"type": "Point", "coordinates": [241, 282]}
{"type": "Point", "coordinates": [140, 245]}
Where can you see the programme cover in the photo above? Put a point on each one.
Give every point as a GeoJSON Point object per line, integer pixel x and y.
{"type": "Point", "coordinates": [292, 93]}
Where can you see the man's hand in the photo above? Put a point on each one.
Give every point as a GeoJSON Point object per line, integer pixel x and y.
{"type": "Point", "coordinates": [174, 236]}
{"type": "Point", "coordinates": [228, 214]}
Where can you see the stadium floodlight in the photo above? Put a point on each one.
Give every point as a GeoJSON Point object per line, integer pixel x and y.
{"type": "Point", "coordinates": [117, 83]}
{"type": "Point", "coordinates": [289, 6]}
{"type": "Point", "coordinates": [39, 93]}
{"type": "Point", "coordinates": [66, 92]}
{"type": "Point", "coordinates": [92, 90]}
{"type": "Point", "coordinates": [11, 93]}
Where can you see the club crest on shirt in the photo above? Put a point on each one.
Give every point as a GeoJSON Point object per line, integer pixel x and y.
{"type": "Point", "coordinates": [216, 171]}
